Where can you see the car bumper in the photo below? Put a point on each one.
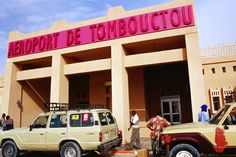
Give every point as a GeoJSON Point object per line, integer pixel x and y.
{"type": "Point", "coordinates": [109, 145]}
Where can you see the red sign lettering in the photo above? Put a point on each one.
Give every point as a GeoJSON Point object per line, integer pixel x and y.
{"type": "Point", "coordinates": [162, 20]}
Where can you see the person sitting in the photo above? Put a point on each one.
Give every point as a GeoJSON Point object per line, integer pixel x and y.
{"type": "Point", "coordinates": [8, 124]}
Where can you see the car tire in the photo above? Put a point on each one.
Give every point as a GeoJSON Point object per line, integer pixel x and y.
{"type": "Point", "coordinates": [70, 149]}
{"type": "Point", "coordinates": [9, 149]}
{"type": "Point", "coordinates": [185, 150]}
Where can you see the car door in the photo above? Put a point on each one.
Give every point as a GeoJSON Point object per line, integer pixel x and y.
{"type": "Point", "coordinates": [84, 130]}
{"type": "Point", "coordinates": [57, 131]}
{"type": "Point", "coordinates": [35, 136]}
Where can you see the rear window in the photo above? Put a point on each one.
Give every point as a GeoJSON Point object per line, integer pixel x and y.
{"type": "Point", "coordinates": [110, 118]}
{"type": "Point", "coordinates": [81, 120]}
{"type": "Point", "coordinates": [106, 118]}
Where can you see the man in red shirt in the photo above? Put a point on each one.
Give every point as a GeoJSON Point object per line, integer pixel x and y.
{"type": "Point", "coordinates": [156, 125]}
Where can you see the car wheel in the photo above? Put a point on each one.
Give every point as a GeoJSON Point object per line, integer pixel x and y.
{"type": "Point", "coordinates": [70, 149]}
{"type": "Point", "coordinates": [184, 150]}
{"type": "Point", "coordinates": [9, 149]}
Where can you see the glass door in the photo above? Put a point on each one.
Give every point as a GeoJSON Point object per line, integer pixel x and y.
{"type": "Point", "coordinates": [170, 107]}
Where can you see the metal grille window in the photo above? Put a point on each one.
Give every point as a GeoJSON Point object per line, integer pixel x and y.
{"type": "Point", "coordinates": [216, 103]}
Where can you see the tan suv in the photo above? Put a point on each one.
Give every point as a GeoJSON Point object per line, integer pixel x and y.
{"type": "Point", "coordinates": [72, 132]}
{"type": "Point", "coordinates": [214, 138]}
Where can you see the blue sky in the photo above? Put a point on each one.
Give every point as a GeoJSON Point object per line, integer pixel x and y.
{"type": "Point", "coordinates": [216, 19]}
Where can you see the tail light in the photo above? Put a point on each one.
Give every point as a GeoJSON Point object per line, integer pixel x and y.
{"type": "Point", "coordinates": [119, 133]}
{"type": "Point", "coordinates": [100, 136]}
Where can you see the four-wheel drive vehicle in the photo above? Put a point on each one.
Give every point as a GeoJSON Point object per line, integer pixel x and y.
{"type": "Point", "coordinates": [216, 137]}
{"type": "Point", "coordinates": [71, 132]}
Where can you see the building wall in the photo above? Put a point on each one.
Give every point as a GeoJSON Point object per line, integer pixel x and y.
{"type": "Point", "coordinates": [97, 87]}
{"type": "Point", "coordinates": [219, 72]}
{"type": "Point", "coordinates": [123, 57]}
{"type": "Point", "coordinates": [137, 92]}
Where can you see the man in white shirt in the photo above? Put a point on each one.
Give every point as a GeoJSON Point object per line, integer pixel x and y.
{"type": "Point", "coordinates": [135, 136]}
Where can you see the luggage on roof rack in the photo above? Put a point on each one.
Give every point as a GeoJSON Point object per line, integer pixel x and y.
{"type": "Point", "coordinates": [68, 106]}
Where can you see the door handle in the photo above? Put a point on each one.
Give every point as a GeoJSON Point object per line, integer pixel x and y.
{"type": "Point", "coordinates": [90, 133]}
{"type": "Point", "coordinates": [63, 133]}
{"type": "Point", "coordinates": [41, 134]}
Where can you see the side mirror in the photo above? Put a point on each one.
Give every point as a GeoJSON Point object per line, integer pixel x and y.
{"type": "Point", "coordinates": [226, 127]}
{"type": "Point", "coordinates": [30, 128]}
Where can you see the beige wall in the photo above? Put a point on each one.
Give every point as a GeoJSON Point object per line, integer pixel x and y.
{"type": "Point", "coordinates": [114, 55]}
{"type": "Point", "coordinates": [219, 58]}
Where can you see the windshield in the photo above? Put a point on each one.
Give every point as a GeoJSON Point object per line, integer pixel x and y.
{"type": "Point", "coordinates": [218, 116]}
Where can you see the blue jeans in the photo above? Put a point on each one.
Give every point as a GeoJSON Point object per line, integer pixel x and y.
{"type": "Point", "coordinates": [155, 147]}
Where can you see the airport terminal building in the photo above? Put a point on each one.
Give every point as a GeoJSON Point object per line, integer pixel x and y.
{"type": "Point", "coordinates": [146, 59]}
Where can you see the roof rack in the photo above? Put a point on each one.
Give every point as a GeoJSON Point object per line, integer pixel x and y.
{"type": "Point", "coordinates": [58, 106]}
{"type": "Point", "coordinates": [68, 106]}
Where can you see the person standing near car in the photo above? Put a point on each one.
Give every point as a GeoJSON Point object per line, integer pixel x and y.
{"type": "Point", "coordinates": [203, 115]}
{"type": "Point", "coordinates": [2, 120]}
{"type": "Point", "coordinates": [156, 125]}
{"type": "Point", "coordinates": [135, 136]}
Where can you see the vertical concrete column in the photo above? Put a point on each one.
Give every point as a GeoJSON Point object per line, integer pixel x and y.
{"type": "Point", "coordinates": [12, 93]}
{"type": "Point", "coordinates": [59, 82]}
{"type": "Point", "coordinates": [120, 91]}
{"type": "Point", "coordinates": [195, 73]}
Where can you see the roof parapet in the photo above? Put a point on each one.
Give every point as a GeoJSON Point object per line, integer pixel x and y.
{"type": "Point", "coordinates": [115, 11]}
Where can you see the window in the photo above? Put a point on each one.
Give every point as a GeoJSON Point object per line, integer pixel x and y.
{"type": "Point", "coordinates": [219, 115]}
{"type": "Point", "coordinates": [216, 103]}
{"type": "Point", "coordinates": [234, 68]}
{"type": "Point", "coordinates": [58, 121]}
{"type": "Point", "coordinates": [103, 118]}
{"type": "Point", "coordinates": [40, 122]}
{"type": "Point", "coordinates": [81, 120]}
{"type": "Point", "coordinates": [213, 70]}
{"type": "Point", "coordinates": [223, 69]}
{"type": "Point", "coordinates": [232, 116]}
{"type": "Point", "coordinates": [228, 98]}
{"type": "Point", "coordinates": [110, 118]}
{"type": "Point", "coordinates": [87, 119]}
{"type": "Point", "coordinates": [170, 106]}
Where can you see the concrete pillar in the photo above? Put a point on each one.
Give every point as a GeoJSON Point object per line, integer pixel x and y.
{"type": "Point", "coordinates": [13, 93]}
{"type": "Point", "coordinates": [195, 74]}
{"type": "Point", "coordinates": [59, 82]}
{"type": "Point", "coordinates": [120, 93]}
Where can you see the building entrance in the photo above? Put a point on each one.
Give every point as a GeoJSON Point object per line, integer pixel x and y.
{"type": "Point", "coordinates": [166, 87]}
{"type": "Point", "coordinates": [171, 109]}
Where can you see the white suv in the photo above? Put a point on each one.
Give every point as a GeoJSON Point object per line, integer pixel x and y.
{"type": "Point", "coordinates": [71, 132]}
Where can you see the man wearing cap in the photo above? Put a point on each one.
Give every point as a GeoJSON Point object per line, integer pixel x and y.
{"type": "Point", "coordinates": [203, 115]}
